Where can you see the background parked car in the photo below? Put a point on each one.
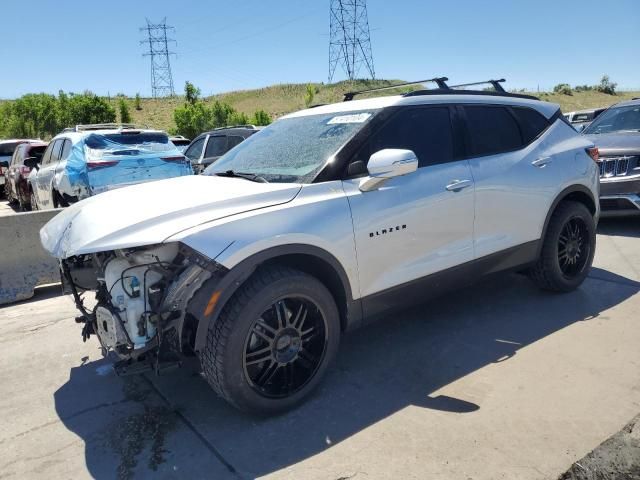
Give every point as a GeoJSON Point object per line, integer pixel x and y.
{"type": "Point", "coordinates": [207, 147]}
{"type": "Point", "coordinates": [16, 178]}
{"type": "Point", "coordinates": [91, 159]}
{"type": "Point", "coordinates": [580, 119]}
{"type": "Point", "coordinates": [616, 133]}
{"type": "Point", "coordinates": [7, 147]}
{"type": "Point", "coordinates": [180, 142]}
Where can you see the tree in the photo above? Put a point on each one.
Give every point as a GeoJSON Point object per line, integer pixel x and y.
{"type": "Point", "coordinates": [309, 95]}
{"type": "Point", "coordinates": [191, 93]}
{"type": "Point", "coordinates": [137, 102]}
{"type": "Point", "coordinates": [260, 118]}
{"type": "Point", "coordinates": [89, 108]}
{"type": "Point", "coordinates": [606, 86]}
{"type": "Point", "coordinates": [125, 116]}
{"type": "Point", "coordinates": [563, 88]}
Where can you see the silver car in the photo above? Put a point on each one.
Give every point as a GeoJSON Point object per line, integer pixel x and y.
{"type": "Point", "coordinates": [323, 220]}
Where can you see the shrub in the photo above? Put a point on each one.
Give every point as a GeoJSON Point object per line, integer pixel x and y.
{"type": "Point", "coordinates": [137, 103]}
{"type": "Point", "coordinates": [583, 88]}
{"type": "Point", "coordinates": [125, 116]}
{"type": "Point", "coordinates": [563, 88]}
{"type": "Point", "coordinates": [195, 117]}
{"type": "Point", "coordinates": [191, 93]}
{"type": "Point", "coordinates": [606, 86]}
{"type": "Point", "coordinates": [309, 94]}
{"type": "Point", "coordinates": [260, 118]}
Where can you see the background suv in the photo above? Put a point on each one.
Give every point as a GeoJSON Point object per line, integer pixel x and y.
{"type": "Point", "coordinates": [92, 159]}
{"type": "Point", "coordinates": [17, 185]}
{"type": "Point", "coordinates": [616, 133]}
{"type": "Point", "coordinates": [325, 219]}
{"type": "Point", "coordinates": [207, 147]}
{"type": "Point", "coordinates": [7, 147]}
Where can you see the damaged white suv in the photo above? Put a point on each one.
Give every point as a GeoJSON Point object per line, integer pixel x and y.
{"type": "Point", "coordinates": [327, 218]}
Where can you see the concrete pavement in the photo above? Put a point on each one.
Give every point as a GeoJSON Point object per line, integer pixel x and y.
{"type": "Point", "coordinates": [495, 381]}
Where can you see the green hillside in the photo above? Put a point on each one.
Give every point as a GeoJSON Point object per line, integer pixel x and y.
{"type": "Point", "coordinates": [278, 100]}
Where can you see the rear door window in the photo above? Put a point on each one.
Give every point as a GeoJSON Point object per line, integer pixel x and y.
{"type": "Point", "coordinates": [492, 130]}
{"type": "Point", "coordinates": [424, 130]}
{"type": "Point", "coordinates": [216, 146]}
{"type": "Point", "coordinates": [233, 141]}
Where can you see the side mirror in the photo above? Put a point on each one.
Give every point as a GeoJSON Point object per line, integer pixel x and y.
{"type": "Point", "coordinates": [386, 164]}
{"type": "Point", "coordinates": [31, 162]}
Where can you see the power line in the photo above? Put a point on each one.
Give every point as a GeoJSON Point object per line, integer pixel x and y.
{"type": "Point", "coordinates": [349, 38]}
{"type": "Point", "coordinates": [158, 42]}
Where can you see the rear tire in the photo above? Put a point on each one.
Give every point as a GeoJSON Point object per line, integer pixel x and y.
{"type": "Point", "coordinates": [567, 250]}
{"type": "Point", "coordinates": [273, 341]}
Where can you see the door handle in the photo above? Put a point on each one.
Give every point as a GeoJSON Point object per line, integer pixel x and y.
{"type": "Point", "coordinates": [541, 162]}
{"type": "Point", "coordinates": [457, 185]}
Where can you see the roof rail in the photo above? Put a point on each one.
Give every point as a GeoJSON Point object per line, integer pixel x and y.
{"type": "Point", "coordinates": [494, 83]}
{"type": "Point", "coordinates": [105, 126]}
{"type": "Point", "coordinates": [236, 126]}
{"type": "Point", "coordinates": [440, 81]}
{"type": "Point", "coordinates": [450, 91]}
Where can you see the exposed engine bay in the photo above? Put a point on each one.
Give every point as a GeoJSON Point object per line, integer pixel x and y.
{"type": "Point", "coordinates": [141, 296]}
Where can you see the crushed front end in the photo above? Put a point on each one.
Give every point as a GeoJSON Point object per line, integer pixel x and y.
{"type": "Point", "coordinates": [141, 297]}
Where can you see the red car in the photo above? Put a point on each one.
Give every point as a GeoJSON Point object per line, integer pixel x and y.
{"type": "Point", "coordinates": [16, 186]}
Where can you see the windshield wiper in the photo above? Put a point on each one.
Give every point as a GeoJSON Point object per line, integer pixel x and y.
{"type": "Point", "coordinates": [253, 177]}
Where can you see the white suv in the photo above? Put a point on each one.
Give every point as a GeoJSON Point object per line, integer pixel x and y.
{"type": "Point", "coordinates": [326, 219]}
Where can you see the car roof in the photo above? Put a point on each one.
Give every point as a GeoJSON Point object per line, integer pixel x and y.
{"type": "Point", "coordinates": [229, 130]}
{"type": "Point", "coordinates": [546, 108]}
{"type": "Point", "coordinates": [20, 140]}
{"type": "Point", "coordinates": [628, 103]}
{"type": "Point", "coordinates": [77, 136]}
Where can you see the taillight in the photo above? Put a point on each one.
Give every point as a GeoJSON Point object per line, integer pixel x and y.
{"type": "Point", "coordinates": [593, 153]}
{"type": "Point", "coordinates": [95, 165]}
{"type": "Point", "coordinates": [175, 158]}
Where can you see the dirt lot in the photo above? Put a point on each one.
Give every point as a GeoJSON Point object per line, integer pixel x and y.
{"type": "Point", "coordinates": [499, 381]}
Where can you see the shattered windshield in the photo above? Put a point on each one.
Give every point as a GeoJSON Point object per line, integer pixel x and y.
{"type": "Point", "coordinates": [292, 150]}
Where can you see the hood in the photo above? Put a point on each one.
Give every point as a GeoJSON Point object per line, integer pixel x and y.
{"type": "Point", "coordinates": [616, 143]}
{"type": "Point", "coordinates": [149, 213]}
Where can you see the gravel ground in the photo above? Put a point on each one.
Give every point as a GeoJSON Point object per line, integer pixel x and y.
{"type": "Point", "coordinates": [617, 458]}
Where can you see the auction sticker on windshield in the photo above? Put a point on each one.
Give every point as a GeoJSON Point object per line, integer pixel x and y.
{"type": "Point", "coordinates": [353, 118]}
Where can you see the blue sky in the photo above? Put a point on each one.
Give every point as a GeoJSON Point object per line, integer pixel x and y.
{"type": "Point", "coordinates": [76, 45]}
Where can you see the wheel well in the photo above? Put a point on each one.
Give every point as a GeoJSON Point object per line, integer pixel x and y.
{"type": "Point", "coordinates": [581, 197]}
{"type": "Point", "coordinates": [323, 271]}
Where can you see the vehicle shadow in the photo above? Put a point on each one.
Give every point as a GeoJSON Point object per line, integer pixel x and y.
{"type": "Point", "coordinates": [620, 226]}
{"type": "Point", "coordinates": [380, 370]}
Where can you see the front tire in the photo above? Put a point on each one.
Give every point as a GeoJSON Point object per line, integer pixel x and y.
{"type": "Point", "coordinates": [273, 341]}
{"type": "Point", "coordinates": [568, 249]}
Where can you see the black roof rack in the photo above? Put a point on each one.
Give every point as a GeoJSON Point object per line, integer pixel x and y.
{"type": "Point", "coordinates": [450, 91]}
{"type": "Point", "coordinates": [440, 81]}
{"type": "Point", "coordinates": [494, 83]}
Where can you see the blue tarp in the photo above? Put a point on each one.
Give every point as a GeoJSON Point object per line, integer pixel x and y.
{"type": "Point", "coordinates": [99, 163]}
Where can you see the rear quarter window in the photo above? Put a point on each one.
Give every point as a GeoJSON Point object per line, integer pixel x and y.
{"type": "Point", "coordinates": [532, 123]}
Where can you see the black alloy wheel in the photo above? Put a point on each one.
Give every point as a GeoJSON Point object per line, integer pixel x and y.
{"type": "Point", "coordinates": [285, 347]}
